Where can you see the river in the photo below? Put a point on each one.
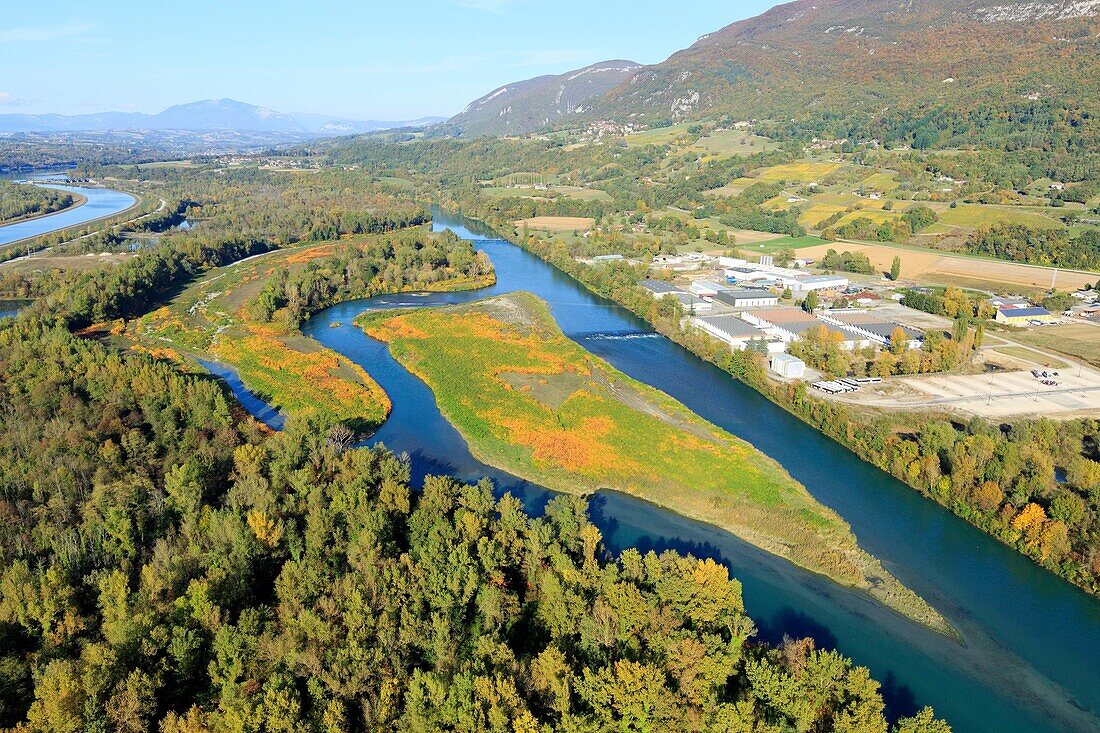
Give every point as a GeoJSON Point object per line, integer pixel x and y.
{"type": "Point", "coordinates": [101, 203]}
{"type": "Point", "coordinates": [1031, 657]}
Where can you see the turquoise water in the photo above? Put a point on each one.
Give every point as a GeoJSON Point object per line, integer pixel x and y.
{"type": "Point", "coordinates": [102, 202]}
{"type": "Point", "coordinates": [1029, 661]}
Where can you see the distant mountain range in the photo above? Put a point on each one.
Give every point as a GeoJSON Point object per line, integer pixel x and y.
{"type": "Point", "coordinates": [211, 115]}
{"type": "Point", "coordinates": [960, 68]}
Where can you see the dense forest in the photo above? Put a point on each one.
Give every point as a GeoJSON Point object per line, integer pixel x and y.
{"type": "Point", "coordinates": [19, 200]}
{"type": "Point", "coordinates": [402, 261]}
{"type": "Point", "coordinates": [1039, 246]}
{"type": "Point", "coordinates": [183, 569]}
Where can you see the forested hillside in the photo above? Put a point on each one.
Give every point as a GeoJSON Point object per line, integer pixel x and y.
{"type": "Point", "coordinates": [1010, 76]}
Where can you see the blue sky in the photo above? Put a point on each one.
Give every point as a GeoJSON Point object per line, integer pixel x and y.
{"type": "Point", "coordinates": [371, 59]}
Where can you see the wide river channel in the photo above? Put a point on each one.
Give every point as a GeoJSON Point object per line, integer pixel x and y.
{"type": "Point", "coordinates": [1030, 660]}
{"type": "Point", "coordinates": [101, 203]}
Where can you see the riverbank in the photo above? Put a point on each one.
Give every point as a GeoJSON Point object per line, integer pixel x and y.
{"type": "Point", "coordinates": [103, 207]}
{"type": "Point", "coordinates": [79, 200]}
{"type": "Point", "coordinates": [536, 404]}
{"type": "Point", "coordinates": [234, 316]}
{"type": "Point", "coordinates": [859, 432]}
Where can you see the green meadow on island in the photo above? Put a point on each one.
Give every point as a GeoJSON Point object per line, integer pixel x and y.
{"type": "Point", "coordinates": [536, 404]}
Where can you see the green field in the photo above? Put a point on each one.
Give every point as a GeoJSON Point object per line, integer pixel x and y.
{"type": "Point", "coordinates": [657, 135]}
{"type": "Point", "coordinates": [731, 143]}
{"type": "Point", "coordinates": [775, 245]}
{"type": "Point", "coordinates": [572, 192]}
{"type": "Point", "coordinates": [1081, 340]}
{"type": "Point", "coordinates": [538, 405]}
{"type": "Point", "coordinates": [978, 216]}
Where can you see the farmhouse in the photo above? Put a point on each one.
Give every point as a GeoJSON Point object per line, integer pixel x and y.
{"type": "Point", "coordinates": [1023, 316]}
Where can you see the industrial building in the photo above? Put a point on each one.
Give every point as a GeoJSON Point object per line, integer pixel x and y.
{"type": "Point", "coordinates": [660, 288]}
{"type": "Point", "coordinates": [1024, 316]}
{"type": "Point", "coordinates": [807, 283]}
{"type": "Point", "coordinates": [735, 331]}
{"type": "Point", "coordinates": [707, 288]}
{"type": "Point", "coordinates": [876, 329]}
{"type": "Point", "coordinates": [787, 366]}
{"type": "Point", "coordinates": [747, 297]}
{"type": "Point", "coordinates": [790, 324]}
{"type": "Point", "coordinates": [692, 303]}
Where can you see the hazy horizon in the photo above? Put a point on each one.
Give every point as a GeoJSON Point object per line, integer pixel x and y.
{"type": "Point", "coordinates": [340, 59]}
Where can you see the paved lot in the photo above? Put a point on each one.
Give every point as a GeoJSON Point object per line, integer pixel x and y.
{"type": "Point", "coordinates": [994, 395]}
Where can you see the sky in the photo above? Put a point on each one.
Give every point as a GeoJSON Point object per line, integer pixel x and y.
{"type": "Point", "coordinates": [371, 59]}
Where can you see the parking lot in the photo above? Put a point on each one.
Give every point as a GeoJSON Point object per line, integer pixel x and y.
{"type": "Point", "coordinates": [1073, 392]}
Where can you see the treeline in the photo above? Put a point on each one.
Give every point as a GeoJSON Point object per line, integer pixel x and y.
{"type": "Point", "coordinates": [166, 567]}
{"type": "Point", "coordinates": [131, 288]}
{"type": "Point", "coordinates": [891, 230]}
{"type": "Point", "coordinates": [1049, 247]}
{"type": "Point", "coordinates": [846, 261]}
{"type": "Point", "coordinates": [19, 200]}
{"type": "Point", "coordinates": [416, 260]}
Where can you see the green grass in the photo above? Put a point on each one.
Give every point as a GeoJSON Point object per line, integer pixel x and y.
{"type": "Point", "coordinates": [1028, 355]}
{"type": "Point", "coordinates": [731, 143]}
{"type": "Point", "coordinates": [538, 405]}
{"type": "Point", "coordinates": [775, 245]}
{"type": "Point", "coordinates": [1080, 340]}
{"type": "Point", "coordinates": [978, 216]}
{"type": "Point", "coordinates": [657, 135]}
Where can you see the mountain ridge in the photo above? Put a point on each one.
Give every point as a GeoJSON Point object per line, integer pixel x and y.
{"type": "Point", "coordinates": [525, 105]}
{"type": "Point", "coordinates": [208, 115]}
{"type": "Point", "coordinates": [917, 71]}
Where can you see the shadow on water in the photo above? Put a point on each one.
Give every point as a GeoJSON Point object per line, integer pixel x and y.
{"type": "Point", "coordinates": [1031, 640]}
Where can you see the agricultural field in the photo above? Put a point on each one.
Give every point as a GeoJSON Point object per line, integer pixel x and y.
{"type": "Point", "coordinates": [729, 144]}
{"type": "Point", "coordinates": [772, 246]}
{"type": "Point", "coordinates": [556, 224]}
{"type": "Point", "coordinates": [934, 267]}
{"type": "Point", "coordinates": [806, 171]}
{"type": "Point", "coordinates": [538, 405]}
{"type": "Point", "coordinates": [657, 135]}
{"type": "Point", "coordinates": [572, 192]}
{"type": "Point", "coordinates": [1080, 340]}
{"type": "Point", "coordinates": [977, 216]}
{"type": "Point", "coordinates": [882, 181]}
